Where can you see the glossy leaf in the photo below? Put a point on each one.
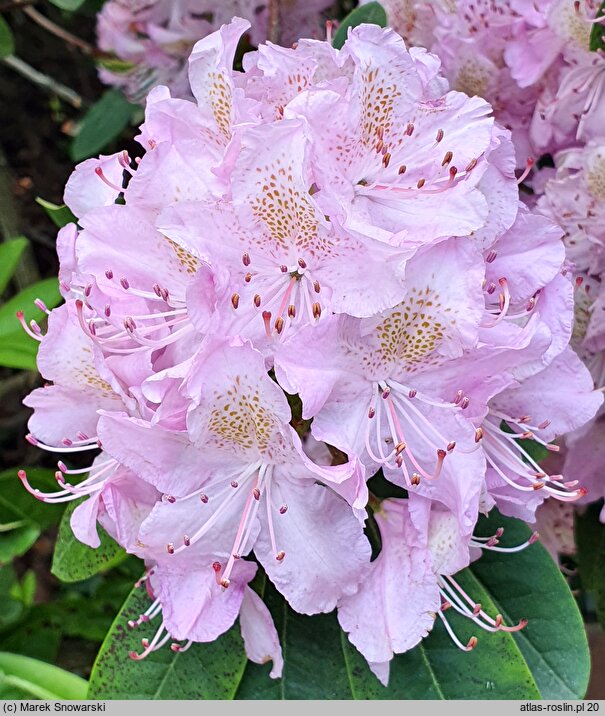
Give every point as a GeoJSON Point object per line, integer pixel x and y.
{"type": "Point", "coordinates": [597, 41]}
{"type": "Point", "coordinates": [7, 42]}
{"type": "Point", "coordinates": [38, 680]}
{"type": "Point", "coordinates": [434, 670]}
{"type": "Point", "coordinates": [590, 543]}
{"type": "Point", "coordinates": [103, 123]}
{"type": "Point", "coordinates": [205, 671]}
{"type": "Point", "coordinates": [372, 14]}
{"type": "Point", "coordinates": [10, 255]}
{"type": "Point", "coordinates": [59, 213]}
{"type": "Point", "coordinates": [528, 584]}
{"type": "Point", "coordinates": [74, 561]}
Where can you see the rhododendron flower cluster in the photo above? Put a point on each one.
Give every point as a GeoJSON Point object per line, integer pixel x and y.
{"type": "Point", "coordinates": [536, 63]}
{"type": "Point", "coordinates": [318, 270]}
{"type": "Point", "coordinates": [148, 42]}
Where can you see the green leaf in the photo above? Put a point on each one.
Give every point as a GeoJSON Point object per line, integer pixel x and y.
{"type": "Point", "coordinates": [39, 679]}
{"type": "Point", "coordinates": [59, 213]}
{"type": "Point", "coordinates": [103, 122]}
{"type": "Point", "coordinates": [590, 543]}
{"type": "Point", "coordinates": [74, 561]}
{"type": "Point", "coordinates": [525, 585]}
{"type": "Point", "coordinates": [116, 65]}
{"type": "Point", "coordinates": [205, 671]}
{"type": "Point", "coordinates": [7, 42]}
{"type": "Point", "coordinates": [10, 254]}
{"type": "Point", "coordinates": [17, 349]}
{"type": "Point", "coordinates": [372, 14]}
{"type": "Point", "coordinates": [28, 515]}
{"type": "Point", "coordinates": [69, 5]}
{"type": "Point", "coordinates": [12, 607]}
{"type": "Point", "coordinates": [434, 670]}
{"type": "Point", "coordinates": [17, 542]}
{"type": "Point", "coordinates": [598, 31]}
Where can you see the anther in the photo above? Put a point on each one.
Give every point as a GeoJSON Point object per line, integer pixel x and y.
{"type": "Point", "coordinates": [478, 434]}
{"type": "Point", "coordinates": [379, 146]}
{"type": "Point", "coordinates": [464, 403]}
{"type": "Point", "coordinates": [234, 483]}
{"type": "Point", "coordinates": [386, 392]}
{"type": "Point", "coordinates": [447, 158]}
{"type": "Point", "coordinates": [107, 310]}
{"type": "Point", "coordinates": [283, 509]}
{"type": "Point", "coordinates": [248, 277]}
{"type": "Point", "coordinates": [109, 274]}
{"type": "Point", "coordinates": [186, 541]}
{"type": "Point", "coordinates": [125, 283]}
{"type": "Point", "coordinates": [170, 548]}
{"type": "Point", "coordinates": [279, 324]}
{"type": "Point", "coordinates": [439, 136]}
{"type": "Point", "coordinates": [256, 493]}
{"type": "Point", "coordinates": [471, 165]}
{"type": "Point", "coordinates": [412, 393]}
{"type": "Point", "coordinates": [170, 498]}
{"type": "Point", "coordinates": [453, 172]}
{"type": "Point", "coordinates": [302, 263]}
{"type": "Point", "coordinates": [316, 310]}
{"type": "Point", "coordinates": [283, 268]}
{"type": "Point", "coordinates": [280, 555]}
{"type": "Point", "coordinates": [451, 446]}
{"type": "Point", "coordinates": [421, 183]}
{"type": "Point", "coordinates": [472, 643]}
{"type": "Point", "coordinates": [292, 311]}
{"type": "Point", "coordinates": [256, 300]}
{"type": "Point", "coordinates": [415, 479]}
{"type": "Point", "coordinates": [402, 169]}
{"type": "Point", "coordinates": [371, 413]}
{"type": "Point", "coordinates": [246, 258]}
{"type": "Point", "coordinates": [386, 159]}
{"type": "Point", "coordinates": [224, 583]}
{"type": "Point", "coordinates": [534, 538]}
{"type": "Point", "coordinates": [235, 300]}
{"type": "Point", "coordinates": [316, 286]}
{"type": "Point", "coordinates": [409, 130]}
{"type": "Point", "coordinates": [204, 498]}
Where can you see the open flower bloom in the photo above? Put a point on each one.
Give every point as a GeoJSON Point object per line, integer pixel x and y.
{"type": "Point", "coordinates": [411, 584]}
{"type": "Point", "coordinates": [378, 395]}
{"type": "Point", "coordinates": [250, 474]}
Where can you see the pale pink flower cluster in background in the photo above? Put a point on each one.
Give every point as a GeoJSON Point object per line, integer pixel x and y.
{"type": "Point", "coordinates": [319, 269]}
{"type": "Point", "coordinates": [149, 41]}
